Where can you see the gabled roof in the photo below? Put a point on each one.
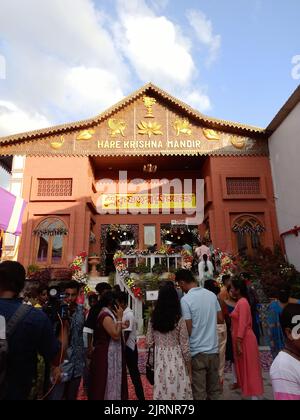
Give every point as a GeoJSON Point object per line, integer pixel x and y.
{"type": "Point", "coordinates": [6, 163]}
{"type": "Point", "coordinates": [287, 108]}
{"type": "Point", "coordinates": [148, 88]}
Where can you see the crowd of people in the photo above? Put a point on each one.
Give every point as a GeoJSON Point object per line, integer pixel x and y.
{"type": "Point", "coordinates": [50, 347]}
{"type": "Point", "coordinates": [55, 344]}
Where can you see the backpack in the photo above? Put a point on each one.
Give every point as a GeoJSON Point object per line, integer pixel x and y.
{"type": "Point", "coordinates": [7, 329]}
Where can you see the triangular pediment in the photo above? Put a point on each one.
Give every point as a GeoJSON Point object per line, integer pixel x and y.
{"type": "Point", "coordinates": [150, 121]}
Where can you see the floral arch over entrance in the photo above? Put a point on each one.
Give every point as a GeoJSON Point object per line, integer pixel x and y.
{"type": "Point", "coordinates": [115, 237]}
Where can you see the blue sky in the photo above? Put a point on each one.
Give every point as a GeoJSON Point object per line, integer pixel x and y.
{"type": "Point", "coordinates": [70, 59]}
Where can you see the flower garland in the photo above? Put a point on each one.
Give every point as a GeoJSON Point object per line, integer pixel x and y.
{"type": "Point", "coordinates": [130, 283]}
{"type": "Point", "coordinates": [120, 264]}
{"type": "Point", "coordinates": [166, 250]}
{"type": "Point", "coordinates": [77, 269]}
{"type": "Point", "coordinates": [187, 262]}
{"type": "Point", "coordinates": [228, 266]}
{"type": "Point", "coordinates": [119, 261]}
{"type": "Point", "coordinates": [248, 229]}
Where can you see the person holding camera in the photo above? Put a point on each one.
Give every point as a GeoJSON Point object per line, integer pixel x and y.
{"type": "Point", "coordinates": [32, 335]}
{"type": "Point", "coordinates": [108, 376]}
{"type": "Point", "coordinates": [73, 366]}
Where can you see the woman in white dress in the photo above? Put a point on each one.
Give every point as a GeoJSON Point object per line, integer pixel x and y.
{"type": "Point", "coordinates": [206, 270]}
{"type": "Point", "coordinates": [167, 331]}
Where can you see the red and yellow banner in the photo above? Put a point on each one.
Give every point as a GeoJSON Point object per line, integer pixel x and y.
{"type": "Point", "coordinates": [138, 201]}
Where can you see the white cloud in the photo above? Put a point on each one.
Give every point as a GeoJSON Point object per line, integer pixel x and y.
{"type": "Point", "coordinates": [204, 31]}
{"type": "Point", "coordinates": [154, 45]}
{"type": "Point", "coordinates": [48, 42]}
{"type": "Point", "coordinates": [199, 100]}
{"type": "Point", "coordinates": [91, 88]}
{"type": "Point", "coordinates": [15, 120]}
{"type": "Point", "coordinates": [68, 60]}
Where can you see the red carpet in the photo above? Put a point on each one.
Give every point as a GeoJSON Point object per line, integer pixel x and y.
{"type": "Point", "coordinates": [148, 391]}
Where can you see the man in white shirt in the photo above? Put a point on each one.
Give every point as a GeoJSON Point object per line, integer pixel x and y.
{"type": "Point", "coordinates": [130, 338]}
{"type": "Point", "coordinates": [202, 250]}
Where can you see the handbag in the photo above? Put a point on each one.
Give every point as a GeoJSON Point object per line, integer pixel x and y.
{"type": "Point", "coordinates": [150, 366]}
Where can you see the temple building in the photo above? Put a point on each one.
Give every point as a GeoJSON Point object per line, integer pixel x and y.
{"type": "Point", "coordinates": [108, 182]}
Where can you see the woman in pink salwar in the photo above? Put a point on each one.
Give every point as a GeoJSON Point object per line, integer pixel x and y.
{"type": "Point", "coordinates": [245, 348]}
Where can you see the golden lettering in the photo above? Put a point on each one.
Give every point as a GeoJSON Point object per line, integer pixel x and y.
{"type": "Point", "coordinates": [149, 144]}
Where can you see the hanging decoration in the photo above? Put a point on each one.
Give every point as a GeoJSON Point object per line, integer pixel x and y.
{"type": "Point", "coordinates": [178, 231]}
{"type": "Point", "coordinates": [116, 231]}
{"type": "Point", "coordinates": [248, 228]}
{"type": "Point", "coordinates": [57, 231]}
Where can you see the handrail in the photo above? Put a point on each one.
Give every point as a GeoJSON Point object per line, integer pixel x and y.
{"type": "Point", "coordinates": [135, 304]}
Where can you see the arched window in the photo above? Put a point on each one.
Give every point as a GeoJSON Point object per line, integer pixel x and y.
{"type": "Point", "coordinates": [248, 230]}
{"type": "Point", "coordinates": [50, 241]}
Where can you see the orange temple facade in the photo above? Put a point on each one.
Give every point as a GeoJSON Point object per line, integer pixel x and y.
{"type": "Point", "coordinates": [150, 135]}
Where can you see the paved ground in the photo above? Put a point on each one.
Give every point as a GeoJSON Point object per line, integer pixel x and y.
{"type": "Point", "coordinates": [236, 395]}
{"type": "Point", "coordinates": [228, 394]}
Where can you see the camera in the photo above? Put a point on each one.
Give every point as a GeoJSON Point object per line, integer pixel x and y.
{"type": "Point", "coordinates": [56, 309]}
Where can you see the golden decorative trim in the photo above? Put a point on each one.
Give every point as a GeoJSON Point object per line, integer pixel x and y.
{"type": "Point", "coordinates": [86, 135]}
{"type": "Point", "coordinates": [211, 134]}
{"type": "Point", "coordinates": [91, 122]}
{"type": "Point", "coordinates": [149, 102]}
{"type": "Point", "coordinates": [182, 126]}
{"type": "Point", "coordinates": [238, 142]}
{"type": "Point", "coordinates": [56, 145]}
{"type": "Point", "coordinates": [116, 127]}
{"type": "Point", "coordinates": [150, 129]}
